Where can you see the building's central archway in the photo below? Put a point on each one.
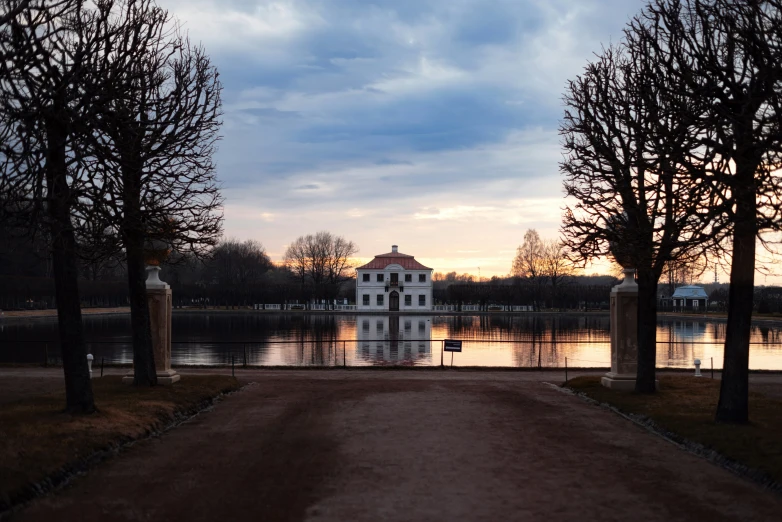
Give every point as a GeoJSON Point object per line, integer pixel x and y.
{"type": "Point", "coordinates": [393, 301]}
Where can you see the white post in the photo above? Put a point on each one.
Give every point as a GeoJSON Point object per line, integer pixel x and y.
{"type": "Point", "coordinates": [89, 363]}
{"type": "Point", "coordinates": [698, 368]}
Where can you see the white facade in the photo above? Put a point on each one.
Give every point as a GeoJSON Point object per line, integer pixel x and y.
{"type": "Point", "coordinates": [394, 282]}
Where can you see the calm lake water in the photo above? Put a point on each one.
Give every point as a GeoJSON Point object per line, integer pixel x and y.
{"type": "Point", "coordinates": [359, 340]}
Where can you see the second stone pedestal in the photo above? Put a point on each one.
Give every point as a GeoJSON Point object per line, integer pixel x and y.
{"type": "Point", "coordinates": [624, 335]}
{"type": "Point", "coordinates": [159, 300]}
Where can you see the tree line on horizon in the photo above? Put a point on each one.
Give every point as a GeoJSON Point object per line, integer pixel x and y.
{"type": "Point", "coordinates": [240, 274]}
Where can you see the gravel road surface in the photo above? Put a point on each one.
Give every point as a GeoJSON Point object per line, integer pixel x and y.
{"type": "Point", "coordinates": [405, 446]}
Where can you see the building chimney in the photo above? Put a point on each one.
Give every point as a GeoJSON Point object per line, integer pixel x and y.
{"type": "Point", "coordinates": [394, 249]}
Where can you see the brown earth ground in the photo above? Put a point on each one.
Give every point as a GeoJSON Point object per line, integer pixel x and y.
{"type": "Point", "coordinates": [367, 445]}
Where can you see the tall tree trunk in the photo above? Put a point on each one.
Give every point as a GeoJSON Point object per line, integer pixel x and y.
{"type": "Point", "coordinates": [733, 405]}
{"type": "Point", "coordinates": [647, 331]}
{"type": "Point", "coordinates": [78, 387]}
{"type": "Point", "coordinates": [144, 373]}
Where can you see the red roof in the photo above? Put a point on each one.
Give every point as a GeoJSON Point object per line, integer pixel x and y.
{"type": "Point", "coordinates": [394, 258]}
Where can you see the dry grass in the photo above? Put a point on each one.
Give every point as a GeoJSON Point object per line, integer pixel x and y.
{"type": "Point", "coordinates": [686, 406]}
{"type": "Point", "coordinates": [40, 443]}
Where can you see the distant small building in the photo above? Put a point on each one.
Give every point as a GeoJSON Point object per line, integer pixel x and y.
{"type": "Point", "coordinates": [394, 282]}
{"type": "Point", "coordinates": [690, 297]}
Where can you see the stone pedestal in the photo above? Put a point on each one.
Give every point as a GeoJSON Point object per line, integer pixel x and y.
{"type": "Point", "coordinates": [624, 335]}
{"type": "Point", "coordinates": [159, 300]}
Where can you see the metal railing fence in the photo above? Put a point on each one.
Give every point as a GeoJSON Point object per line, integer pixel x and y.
{"type": "Point", "coordinates": [383, 351]}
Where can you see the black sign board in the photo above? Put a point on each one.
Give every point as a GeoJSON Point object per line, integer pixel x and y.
{"type": "Point", "coordinates": [452, 345]}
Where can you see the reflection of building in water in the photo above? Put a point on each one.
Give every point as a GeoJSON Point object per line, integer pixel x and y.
{"type": "Point", "coordinates": [385, 339]}
{"type": "Point", "coordinates": [688, 330]}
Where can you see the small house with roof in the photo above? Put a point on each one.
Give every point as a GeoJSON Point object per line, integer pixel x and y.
{"type": "Point", "coordinates": [690, 297]}
{"type": "Point", "coordinates": [394, 282]}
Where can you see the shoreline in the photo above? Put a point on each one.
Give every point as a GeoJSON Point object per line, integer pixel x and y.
{"type": "Point", "coordinates": [52, 313]}
{"type": "Point", "coordinates": [38, 314]}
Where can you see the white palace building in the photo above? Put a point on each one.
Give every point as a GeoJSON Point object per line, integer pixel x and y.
{"type": "Point", "coordinates": [394, 282]}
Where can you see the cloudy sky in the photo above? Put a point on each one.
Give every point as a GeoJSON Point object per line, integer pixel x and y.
{"type": "Point", "coordinates": [427, 124]}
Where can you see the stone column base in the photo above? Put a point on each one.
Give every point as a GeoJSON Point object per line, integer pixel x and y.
{"type": "Point", "coordinates": [167, 377]}
{"type": "Point", "coordinates": [622, 381]}
{"type": "Point", "coordinates": [164, 377]}
{"type": "Point", "coordinates": [619, 381]}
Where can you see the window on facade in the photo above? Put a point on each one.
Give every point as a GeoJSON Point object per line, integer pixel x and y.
{"type": "Point", "coordinates": [379, 278]}
{"type": "Point", "coordinates": [366, 278]}
{"type": "Point", "coordinates": [408, 278]}
{"type": "Point", "coordinates": [379, 326]}
{"type": "Point", "coordinates": [421, 326]}
{"type": "Point", "coordinates": [365, 325]}
{"type": "Point", "coordinates": [422, 278]}
{"type": "Point", "coordinates": [407, 326]}
{"type": "Point", "coordinates": [408, 300]}
{"type": "Point", "coordinates": [380, 300]}
{"type": "Point", "coordinates": [365, 299]}
{"type": "Point", "coordinates": [394, 277]}
{"type": "Point", "coordinates": [421, 300]}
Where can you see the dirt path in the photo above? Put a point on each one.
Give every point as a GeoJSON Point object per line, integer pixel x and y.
{"type": "Point", "coordinates": [358, 446]}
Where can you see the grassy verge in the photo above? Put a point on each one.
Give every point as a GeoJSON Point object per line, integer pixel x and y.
{"type": "Point", "coordinates": [41, 447]}
{"type": "Point", "coordinates": [685, 406]}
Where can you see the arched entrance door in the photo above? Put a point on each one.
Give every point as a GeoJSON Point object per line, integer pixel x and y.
{"type": "Point", "coordinates": [393, 301]}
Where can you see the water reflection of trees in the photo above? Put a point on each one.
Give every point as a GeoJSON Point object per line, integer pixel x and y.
{"type": "Point", "coordinates": [315, 339]}
{"type": "Point", "coordinates": [535, 339]}
{"type": "Point", "coordinates": [537, 327]}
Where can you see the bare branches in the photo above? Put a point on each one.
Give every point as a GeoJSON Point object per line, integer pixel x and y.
{"type": "Point", "coordinates": [541, 262]}
{"type": "Point", "coordinates": [110, 120]}
{"type": "Point", "coordinates": [726, 59]}
{"type": "Point", "coordinates": [529, 261]}
{"type": "Point", "coordinates": [322, 259]}
{"type": "Point", "coordinates": [157, 131]}
{"type": "Point", "coordinates": [628, 163]}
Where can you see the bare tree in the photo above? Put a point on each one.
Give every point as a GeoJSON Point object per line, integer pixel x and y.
{"type": "Point", "coordinates": [530, 265]}
{"type": "Point", "coordinates": [727, 54]}
{"type": "Point", "coordinates": [44, 111]}
{"type": "Point", "coordinates": [629, 153]}
{"type": "Point", "coordinates": [557, 267]}
{"type": "Point", "coordinates": [155, 139]}
{"type": "Point", "coordinates": [677, 273]}
{"type": "Point", "coordinates": [322, 259]}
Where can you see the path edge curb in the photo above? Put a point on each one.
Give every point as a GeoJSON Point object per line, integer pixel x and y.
{"type": "Point", "coordinates": [66, 474]}
{"type": "Point", "coordinates": [739, 469]}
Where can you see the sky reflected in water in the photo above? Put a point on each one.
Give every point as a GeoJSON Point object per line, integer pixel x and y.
{"type": "Point", "coordinates": [358, 340]}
